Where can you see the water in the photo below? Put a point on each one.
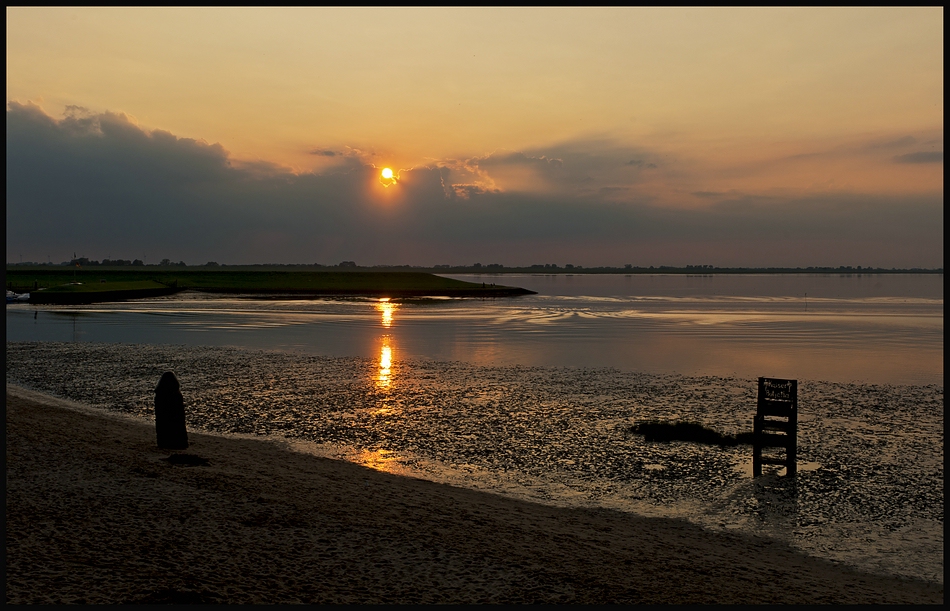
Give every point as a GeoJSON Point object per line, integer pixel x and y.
{"type": "Point", "coordinates": [534, 397]}
{"type": "Point", "coordinates": [869, 328]}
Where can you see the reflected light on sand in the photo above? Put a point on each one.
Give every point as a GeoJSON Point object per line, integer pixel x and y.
{"type": "Point", "coordinates": [384, 379]}
{"type": "Point", "coordinates": [381, 460]}
{"type": "Point", "coordinates": [386, 309]}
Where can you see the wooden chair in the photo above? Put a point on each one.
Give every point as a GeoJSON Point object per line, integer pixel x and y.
{"type": "Point", "coordinates": [776, 424]}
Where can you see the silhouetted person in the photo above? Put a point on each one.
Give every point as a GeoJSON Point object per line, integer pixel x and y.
{"type": "Point", "coordinates": [170, 414]}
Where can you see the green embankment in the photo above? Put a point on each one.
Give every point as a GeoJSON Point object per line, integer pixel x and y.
{"type": "Point", "coordinates": [106, 287]}
{"type": "Point", "coordinates": [99, 291]}
{"type": "Point", "coordinates": [88, 285]}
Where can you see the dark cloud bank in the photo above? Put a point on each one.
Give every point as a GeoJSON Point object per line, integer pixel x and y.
{"type": "Point", "coordinates": [100, 186]}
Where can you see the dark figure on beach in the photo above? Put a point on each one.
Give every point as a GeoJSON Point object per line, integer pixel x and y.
{"type": "Point", "coordinates": [170, 414]}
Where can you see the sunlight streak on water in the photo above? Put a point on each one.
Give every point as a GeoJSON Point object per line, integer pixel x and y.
{"type": "Point", "coordinates": [384, 378]}
{"type": "Point", "coordinates": [386, 308]}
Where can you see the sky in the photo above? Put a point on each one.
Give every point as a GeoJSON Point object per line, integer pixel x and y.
{"type": "Point", "coordinates": [672, 136]}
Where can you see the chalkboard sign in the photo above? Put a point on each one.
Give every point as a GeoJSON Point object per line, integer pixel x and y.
{"type": "Point", "coordinates": [773, 389]}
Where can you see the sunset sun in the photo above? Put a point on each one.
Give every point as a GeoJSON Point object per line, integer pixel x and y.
{"type": "Point", "coordinates": [387, 177]}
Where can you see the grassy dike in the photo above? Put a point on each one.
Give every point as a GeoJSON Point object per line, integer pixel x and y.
{"type": "Point", "coordinates": [71, 285]}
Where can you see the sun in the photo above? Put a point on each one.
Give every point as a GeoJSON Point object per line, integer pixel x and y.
{"type": "Point", "coordinates": [387, 177]}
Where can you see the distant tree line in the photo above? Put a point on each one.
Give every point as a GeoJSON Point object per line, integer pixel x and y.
{"type": "Point", "coordinates": [498, 268]}
{"type": "Point", "coordinates": [84, 262]}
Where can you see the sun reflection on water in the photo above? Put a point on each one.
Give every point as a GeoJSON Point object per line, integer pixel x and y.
{"type": "Point", "coordinates": [386, 308]}
{"type": "Point", "coordinates": [385, 364]}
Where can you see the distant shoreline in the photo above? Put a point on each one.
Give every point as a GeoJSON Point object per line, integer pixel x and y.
{"type": "Point", "coordinates": [460, 269]}
{"type": "Point", "coordinates": [65, 285]}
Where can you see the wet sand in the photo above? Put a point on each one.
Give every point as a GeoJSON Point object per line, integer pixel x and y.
{"type": "Point", "coordinates": [96, 514]}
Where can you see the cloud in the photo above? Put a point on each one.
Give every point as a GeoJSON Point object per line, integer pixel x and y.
{"type": "Point", "coordinates": [465, 191]}
{"type": "Point", "coordinates": [99, 184]}
{"type": "Point", "coordinates": [516, 158]}
{"type": "Point", "coordinates": [893, 143]}
{"type": "Point", "coordinates": [921, 157]}
{"type": "Point", "coordinates": [577, 167]}
{"type": "Point", "coordinates": [640, 163]}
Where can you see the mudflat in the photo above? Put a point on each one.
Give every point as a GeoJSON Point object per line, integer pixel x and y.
{"type": "Point", "coordinates": [96, 513]}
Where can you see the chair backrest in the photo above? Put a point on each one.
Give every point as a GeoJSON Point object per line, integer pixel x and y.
{"type": "Point", "coordinates": [777, 398]}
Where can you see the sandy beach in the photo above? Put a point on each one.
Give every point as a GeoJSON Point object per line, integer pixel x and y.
{"type": "Point", "coordinates": [96, 513]}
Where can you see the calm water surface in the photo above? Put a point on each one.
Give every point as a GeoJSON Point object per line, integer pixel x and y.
{"type": "Point", "coordinates": [869, 328]}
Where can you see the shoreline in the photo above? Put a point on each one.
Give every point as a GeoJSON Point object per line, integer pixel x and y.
{"type": "Point", "coordinates": [88, 285]}
{"type": "Point", "coordinates": [95, 513]}
{"type": "Point", "coordinates": [54, 298]}
{"type": "Point", "coordinates": [870, 495]}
